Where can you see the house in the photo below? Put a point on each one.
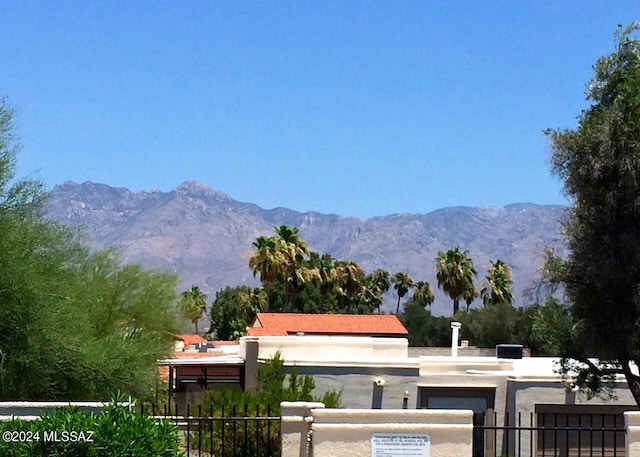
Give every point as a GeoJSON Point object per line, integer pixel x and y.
{"type": "Point", "coordinates": [283, 324]}
{"type": "Point", "coordinates": [367, 358]}
{"type": "Point", "coordinates": [197, 364]}
{"type": "Point", "coordinates": [506, 388]}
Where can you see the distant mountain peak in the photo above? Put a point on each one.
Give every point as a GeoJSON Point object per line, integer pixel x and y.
{"type": "Point", "coordinates": [205, 235]}
{"type": "Point", "coordinates": [193, 187]}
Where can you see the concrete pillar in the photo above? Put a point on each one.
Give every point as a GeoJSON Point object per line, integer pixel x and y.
{"type": "Point", "coordinates": [296, 427]}
{"type": "Point", "coordinates": [455, 329]}
{"type": "Point", "coordinates": [632, 424]}
{"type": "Point", "coordinates": [249, 352]}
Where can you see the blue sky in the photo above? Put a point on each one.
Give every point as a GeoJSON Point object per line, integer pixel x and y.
{"type": "Point", "coordinates": [355, 108]}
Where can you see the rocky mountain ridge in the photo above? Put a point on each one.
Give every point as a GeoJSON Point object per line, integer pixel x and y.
{"type": "Point", "coordinates": [206, 236]}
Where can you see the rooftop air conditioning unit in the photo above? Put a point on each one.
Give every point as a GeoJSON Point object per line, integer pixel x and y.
{"type": "Point", "coordinates": [509, 351]}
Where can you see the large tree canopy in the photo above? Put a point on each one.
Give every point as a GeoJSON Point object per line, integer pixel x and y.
{"type": "Point", "coordinates": [73, 325]}
{"type": "Point", "coordinates": [599, 162]}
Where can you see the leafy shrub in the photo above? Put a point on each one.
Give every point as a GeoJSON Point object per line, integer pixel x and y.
{"type": "Point", "coordinates": [117, 431]}
{"type": "Point", "coordinates": [258, 437]}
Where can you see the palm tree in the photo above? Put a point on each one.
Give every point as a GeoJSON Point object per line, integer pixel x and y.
{"type": "Point", "coordinates": [469, 295]}
{"type": "Point", "coordinates": [349, 278]}
{"type": "Point", "coordinates": [401, 283]}
{"type": "Point", "coordinates": [293, 244]}
{"type": "Point", "coordinates": [192, 304]}
{"type": "Point", "coordinates": [268, 260]}
{"type": "Point", "coordinates": [378, 282]}
{"type": "Point", "coordinates": [250, 302]}
{"type": "Point", "coordinates": [498, 288]}
{"type": "Point", "coordinates": [455, 275]}
{"type": "Point", "coordinates": [423, 294]}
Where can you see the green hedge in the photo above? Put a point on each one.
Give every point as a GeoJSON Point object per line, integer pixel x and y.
{"type": "Point", "coordinates": [117, 431]}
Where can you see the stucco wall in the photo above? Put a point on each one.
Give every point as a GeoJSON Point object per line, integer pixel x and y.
{"type": "Point", "coordinates": [357, 389]}
{"type": "Point", "coordinates": [348, 432]}
{"type": "Point", "coordinates": [632, 423]}
{"type": "Point", "coordinates": [338, 348]}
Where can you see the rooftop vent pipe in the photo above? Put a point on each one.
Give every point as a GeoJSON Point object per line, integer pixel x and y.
{"type": "Point", "coordinates": [455, 329]}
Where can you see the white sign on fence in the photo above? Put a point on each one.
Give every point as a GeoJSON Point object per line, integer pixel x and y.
{"type": "Point", "coordinates": [400, 445]}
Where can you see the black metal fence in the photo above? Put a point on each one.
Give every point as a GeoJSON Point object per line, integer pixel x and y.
{"type": "Point", "coordinates": [239, 431]}
{"type": "Point", "coordinates": [549, 435]}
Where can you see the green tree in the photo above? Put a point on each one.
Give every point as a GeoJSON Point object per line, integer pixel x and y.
{"type": "Point", "coordinates": [296, 247]}
{"type": "Point", "coordinates": [469, 295]}
{"type": "Point", "coordinates": [455, 273]}
{"type": "Point", "coordinates": [402, 282]}
{"type": "Point", "coordinates": [349, 280]}
{"type": "Point", "coordinates": [492, 325]}
{"type": "Point", "coordinates": [268, 260]}
{"type": "Point", "coordinates": [72, 324]}
{"type": "Point", "coordinates": [599, 162]}
{"type": "Point", "coordinates": [552, 327]}
{"type": "Point", "coordinates": [284, 259]}
{"type": "Point", "coordinates": [235, 308]}
{"type": "Point", "coordinates": [424, 328]}
{"type": "Point", "coordinates": [193, 303]}
{"type": "Point", "coordinates": [375, 285]}
{"type": "Point", "coordinates": [498, 287]}
{"type": "Point", "coordinates": [422, 294]}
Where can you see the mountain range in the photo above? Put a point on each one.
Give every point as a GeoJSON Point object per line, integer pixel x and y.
{"type": "Point", "coordinates": [206, 236]}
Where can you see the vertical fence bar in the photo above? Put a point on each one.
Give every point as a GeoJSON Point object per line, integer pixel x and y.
{"type": "Point", "coordinates": [615, 436]}
{"type": "Point", "coordinates": [579, 435]}
{"type": "Point", "coordinates": [591, 435]}
{"type": "Point", "coordinates": [246, 431]}
{"type": "Point", "coordinates": [269, 446]}
{"type": "Point", "coordinates": [507, 434]}
{"type": "Point", "coordinates": [188, 429]}
{"type": "Point", "coordinates": [555, 434]}
{"type": "Point", "coordinates": [531, 435]}
{"type": "Point", "coordinates": [566, 437]}
{"type": "Point", "coordinates": [257, 437]}
{"type": "Point", "coordinates": [211, 429]}
{"type": "Point", "coordinates": [222, 421]}
{"type": "Point", "coordinates": [602, 444]}
{"type": "Point", "coordinates": [519, 433]}
{"type": "Point", "coordinates": [495, 434]}
{"type": "Point", "coordinates": [235, 430]}
{"type": "Point", "coordinates": [544, 434]}
{"type": "Point", "coordinates": [199, 430]}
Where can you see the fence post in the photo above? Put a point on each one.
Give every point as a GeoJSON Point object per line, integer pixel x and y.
{"type": "Point", "coordinates": [632, 425]}
{"type": "Point", "coordinates": [295, 427]}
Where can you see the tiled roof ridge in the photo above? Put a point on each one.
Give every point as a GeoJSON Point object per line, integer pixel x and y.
{"type": "Point", "coordinates": [343, 324]}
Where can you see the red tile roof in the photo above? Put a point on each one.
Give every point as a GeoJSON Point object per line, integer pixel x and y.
{"type": "Point", "coordinates": [277, 324]}
{"type": "Point", "coordinates": [190, 339]}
